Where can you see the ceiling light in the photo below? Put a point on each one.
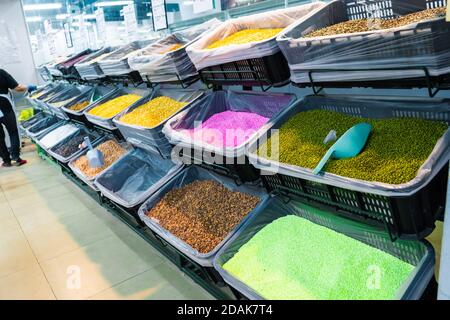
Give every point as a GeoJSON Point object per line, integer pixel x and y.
{"type": "Point", "coordinates": [42, 6]}
{"type": "Point", "coordinates": [33, 19]}
{"type": "Point", "coordinates": [188, 3]}
{"type": "Point", "coordinates": [62, 16]}
{"type": "Point", "coordinates": [112, 3]}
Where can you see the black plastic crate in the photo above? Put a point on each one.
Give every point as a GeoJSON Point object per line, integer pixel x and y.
{"type": "Point", "coordinates": [208, 274]}
{"type": "Point", "coordinates": [81, 119]}
{"type": "Point", "coordinates": [410, 217]}
{"type": "Point", "coordinates": [434, 41]}
{"type": "Point", "coordinates": [241, 172]}
{"type": "Point", "coordinates": [134, 78]}
{"type": "Point", "coordinates": [267, 71]}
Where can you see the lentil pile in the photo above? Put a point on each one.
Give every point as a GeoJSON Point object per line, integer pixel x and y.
{"type": "Point", "coordinates": [79, 106]}
{"type": "Point", "coordinates": [71, 146]}
{"type": "Point", "coordinates": [363, 25]}
{"type": "Point", "coordinates": [245, 36]}
{"type": "Point", "coordinates": [293, 258]}
{"type": "Point", "coordinates": [171, 48]}
{"type": "Point", "coordinates": [111, 150]}
{"type": "Point", "coordinates": [395, 150]}
{"type": "Point", "coordinates": [114, 106]}
{"type": "Point", "coordinates": [228, 128]}
{"type": "Point", "coordinates": [153, 112]}
{"type": "Point", "coordinates": [202, 213]}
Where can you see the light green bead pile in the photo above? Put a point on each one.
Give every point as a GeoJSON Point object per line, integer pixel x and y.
{"type": "Point", "coordinates": [293, 258]}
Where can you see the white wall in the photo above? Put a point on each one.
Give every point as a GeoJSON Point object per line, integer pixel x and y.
{"type": "Point", "coordinates": [24, 71]}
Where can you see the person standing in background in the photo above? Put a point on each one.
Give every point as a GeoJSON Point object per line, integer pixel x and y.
{"type": "Point", "coordinates": [8, 119]}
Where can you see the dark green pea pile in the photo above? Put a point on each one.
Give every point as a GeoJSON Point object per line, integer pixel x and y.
{"type": "Point", "coordinates": [395, 151]}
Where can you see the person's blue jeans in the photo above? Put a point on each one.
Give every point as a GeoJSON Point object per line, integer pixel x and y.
{"type": "Point", "coordinates": [8, 122]}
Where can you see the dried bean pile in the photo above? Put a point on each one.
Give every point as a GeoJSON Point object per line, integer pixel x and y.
{"type": "Point", "coordinates": [202, 213]}
{"type": "Point", "coordinates": [363, 25]}
{"type": "Point", "coordinates": [79, 106]}
{"type": "Point", "coordinates": [245, 36]}
{"type": "Point", "coordinates": [71, 146]}
{"type": "Point", "coordinates": [111, 150]}
{"type": "Point", "coordinates": [171, 48]}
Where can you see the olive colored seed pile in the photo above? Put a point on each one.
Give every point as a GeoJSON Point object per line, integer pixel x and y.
{"type": "Point", "coordinates": [363, 25]}
{"type": "Point", "coordinates": [79, 106]}
{"type": "Point", "coordinates": [245, 36]}
{"type": "Point", "coordinates": [396, 148]}
{"type": "Point", "coordinates": [153, 112]}
{"type": "Point", "coordinates": [202, 213]}
{"type": "Point", "coordinates": [111, 150]}
{"type": "Point", "coordinates": [293, 258]}
{"type": "Point", "coordinates": [114, 106]}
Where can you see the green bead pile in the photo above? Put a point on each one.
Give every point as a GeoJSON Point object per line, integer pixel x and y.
{"type": "Point", "coordinates": [293, 258]}
{"type": "Point", "coordinates": [396, 148]}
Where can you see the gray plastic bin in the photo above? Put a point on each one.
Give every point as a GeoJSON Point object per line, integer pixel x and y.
{"type": "Point", "coordinates": [136, 176]}
{"type": "Point", "coordinates": [420, 254]}
{"type": "Point", "coordinates": [83, 132]}
{"type": "Point", "coordinates": [154, 137]}
{"type": "Point", "coordinates": [107, 123]}
{"type": "Point", "coordinates": [90, 180]}
{"type": "Point", "coordinates": [408, 210]}
{"type": "Point", "coordinates": [186, 176]}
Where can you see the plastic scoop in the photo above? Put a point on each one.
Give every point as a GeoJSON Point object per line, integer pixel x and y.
{"type": "Point", "coordinates": [349, 145]}
{"type": "Point", "coordinates": [94, 156]}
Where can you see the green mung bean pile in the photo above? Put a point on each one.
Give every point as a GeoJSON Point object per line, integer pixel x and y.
{"type": "Point", "coordinates": [396, 148]}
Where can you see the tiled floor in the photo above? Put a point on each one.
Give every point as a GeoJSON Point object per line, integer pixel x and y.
{"type": "Point", "coordinates": [57, 243]}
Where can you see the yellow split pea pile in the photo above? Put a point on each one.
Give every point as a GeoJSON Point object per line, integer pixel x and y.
{"type": "Point", "coordinates": [245, 36]}
{"type": "Point", "coordinates": [114, 106]}
{"type": "Point", "coordinates": [153, 112]}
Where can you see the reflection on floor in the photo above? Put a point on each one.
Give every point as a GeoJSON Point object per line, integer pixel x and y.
{"type": "Point", "coordinates": [57, 243]}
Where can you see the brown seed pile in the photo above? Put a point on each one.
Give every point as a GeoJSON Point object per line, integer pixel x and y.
{"type": "Point", "coordinates": [111, 150]}
{"type": "Point", "coordinates": [364, 25]}
{"type": "Point", "coordinates": [202, 213]}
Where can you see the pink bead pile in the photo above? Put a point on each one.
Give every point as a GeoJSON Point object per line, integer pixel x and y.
{"type": "Point", "coordinates": [227, 129]}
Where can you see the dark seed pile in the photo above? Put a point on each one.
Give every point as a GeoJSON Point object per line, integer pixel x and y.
{"type": "Point", "coordinates": [71, 146]}
{"type": "Point", "coordinates": [202, 213]}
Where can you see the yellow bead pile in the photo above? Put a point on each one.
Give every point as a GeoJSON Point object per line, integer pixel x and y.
{"type": "Point", "coordinates": [153, 112]}
{"type": "Point", "coordinates": [171, 48]}
{"type": "Point", "coordinates": [114, 106]}
{"type": "Point", "coordinates": [245, 36]}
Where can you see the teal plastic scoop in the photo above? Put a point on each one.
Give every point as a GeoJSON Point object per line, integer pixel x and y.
{"type": "Point", "coordinates": [349, 145]}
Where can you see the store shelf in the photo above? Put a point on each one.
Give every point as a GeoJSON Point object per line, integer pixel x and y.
{"type": "Point", "coordinates": [434, 84]}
